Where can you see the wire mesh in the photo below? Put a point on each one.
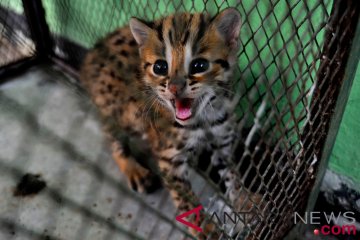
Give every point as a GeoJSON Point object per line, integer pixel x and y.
{"type": "Point", "coordinates": [15, 41]}
{"type": "Point", "coordinates": [284, 104]}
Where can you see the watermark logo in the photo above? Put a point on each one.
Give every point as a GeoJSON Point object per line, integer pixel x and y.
{"type": "Point", "coordinates": [196, 210]}
{"type": "Point", "coordinates": [231, 218]}
{"type": "Point", "coordinates": [317, 218]}
{"type": "Point", "coordinates": [331, 220]}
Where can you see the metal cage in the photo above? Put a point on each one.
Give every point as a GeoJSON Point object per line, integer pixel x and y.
{"type": "Point", "coordinates": [292, 79]}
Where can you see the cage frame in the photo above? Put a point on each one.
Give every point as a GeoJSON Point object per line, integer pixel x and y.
{"type": "Point", "coordinates": [40, 34]}
{"type": "Point", "coordinates": [345, 81]}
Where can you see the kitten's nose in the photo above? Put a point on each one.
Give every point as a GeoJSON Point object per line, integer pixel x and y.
{"type": "Point", "coordinates": [176, 86]}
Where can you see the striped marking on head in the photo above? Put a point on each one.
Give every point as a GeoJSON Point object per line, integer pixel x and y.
{"type": "Point", "coordinates": [182, 37]}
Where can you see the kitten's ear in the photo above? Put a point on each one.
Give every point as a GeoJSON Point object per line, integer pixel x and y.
{"type": "Point", "coordinates": [228, 24]}
{"type": "Point", "coordinates": [139, 30]}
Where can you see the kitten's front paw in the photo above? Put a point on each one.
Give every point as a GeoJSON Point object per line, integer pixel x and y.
{"type": "Point", "coordinates": [139, 178]}
{"type": "Point", "coordinates": [142, 180]}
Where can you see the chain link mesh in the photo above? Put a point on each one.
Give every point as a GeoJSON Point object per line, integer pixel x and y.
{"type": "Point", "coordinates": [15, 40]}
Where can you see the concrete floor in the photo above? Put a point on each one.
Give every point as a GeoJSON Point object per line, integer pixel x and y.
{"type": "Point", "coordinates": [48, 128]}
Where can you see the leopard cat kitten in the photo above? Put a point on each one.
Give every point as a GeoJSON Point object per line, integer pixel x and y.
{"type": "Point", "coordinates": [167, 85]}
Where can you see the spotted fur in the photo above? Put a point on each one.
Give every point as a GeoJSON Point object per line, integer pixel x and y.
{"type": "Point", "coordinates": [175, 115]}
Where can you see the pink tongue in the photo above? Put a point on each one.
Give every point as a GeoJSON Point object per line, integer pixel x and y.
{"type": "Point", "coordinates": [183, 109]}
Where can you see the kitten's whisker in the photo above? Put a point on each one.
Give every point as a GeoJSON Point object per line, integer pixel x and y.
{"type": "Point", "coordinates": [156, 114]}
{"type": "Point", "coordinates": [212, 108]}
{"type": "Point", "coordinates": [149, 102]}
{"type": "Point", "coordinates": [201, 103]}
{"type": "Point", "coordinates": [224, 89]}
{"type": "Point", "coordinates": [152, 104]}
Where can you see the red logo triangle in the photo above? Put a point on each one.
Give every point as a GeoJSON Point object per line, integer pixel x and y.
{"type": "Point", "coordinates": [196, 210]}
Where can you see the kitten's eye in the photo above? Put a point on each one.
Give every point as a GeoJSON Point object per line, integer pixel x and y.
{"type": "Point", "coordinates": [160, 67]}
{"type": "Point", "coordinates": [199, 65]}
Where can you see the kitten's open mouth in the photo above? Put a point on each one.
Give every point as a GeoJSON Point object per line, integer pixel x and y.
{"type": "Point", "coordinates": [182, 108]}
